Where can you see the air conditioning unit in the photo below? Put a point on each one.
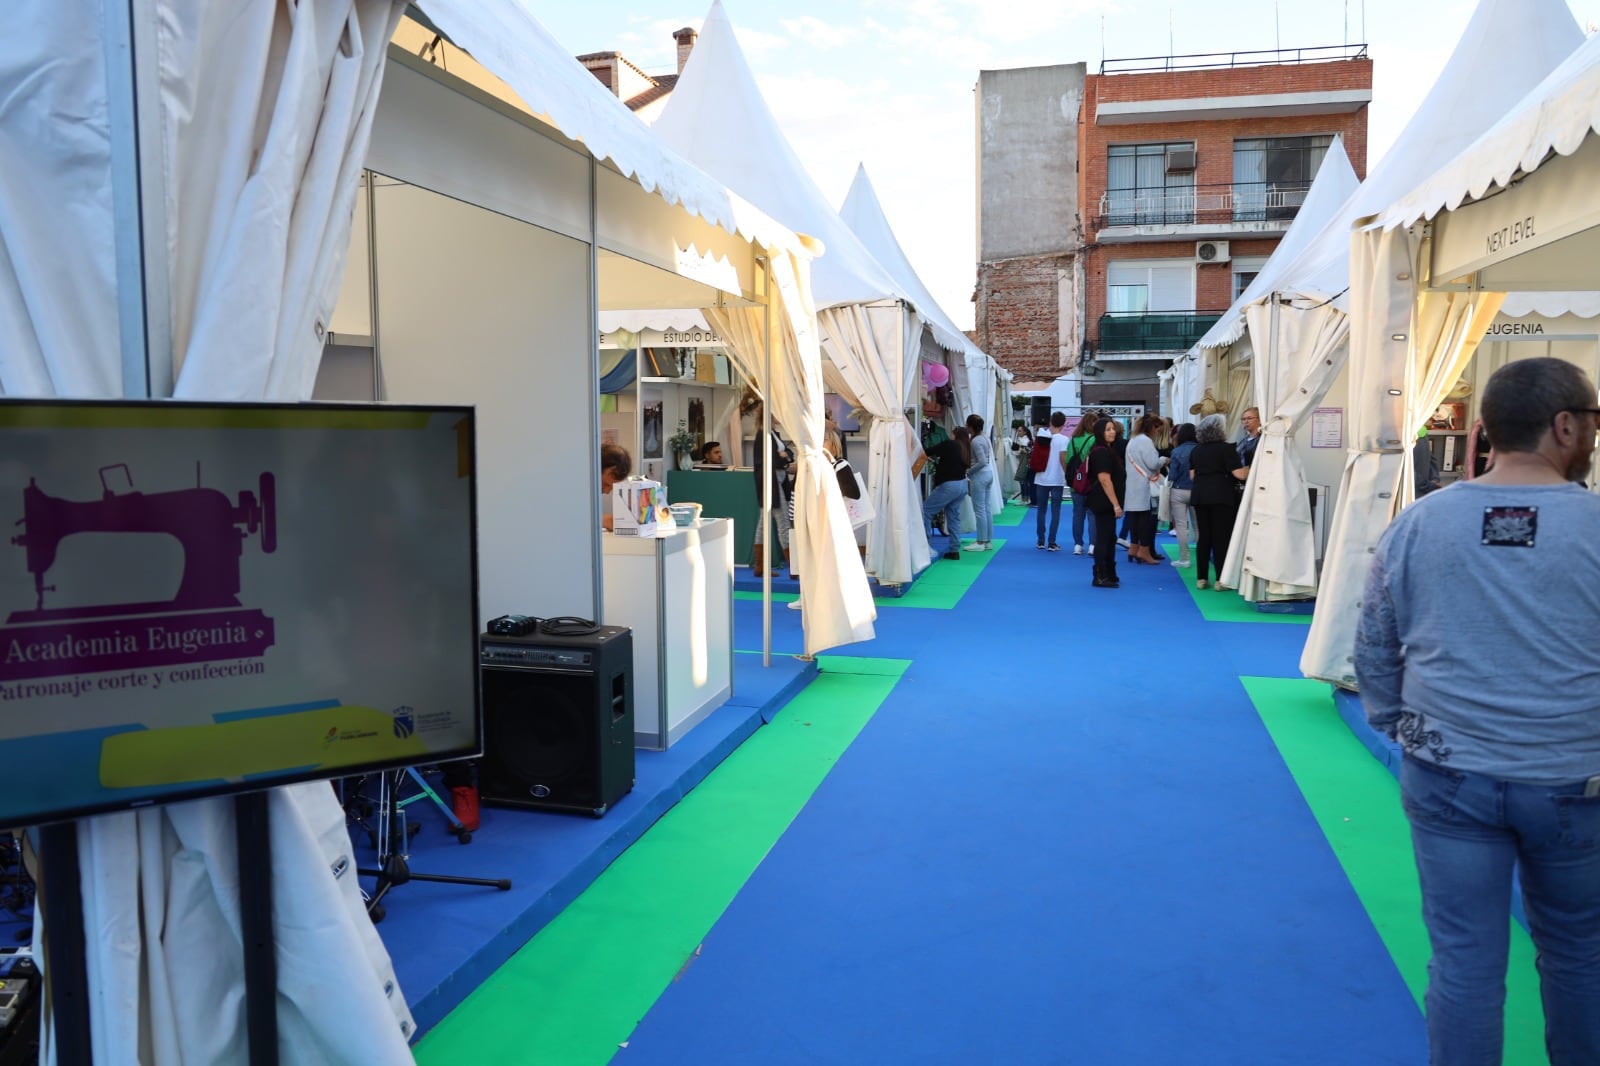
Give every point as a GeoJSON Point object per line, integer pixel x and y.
{"type": "Point", "coordinates": [1180, 160]}
{"type": "Point", "coordinates": [1211, 251]}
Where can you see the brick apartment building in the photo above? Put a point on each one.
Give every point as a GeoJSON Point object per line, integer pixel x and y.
{"type": "Point", "coordinates": [1187, 171]}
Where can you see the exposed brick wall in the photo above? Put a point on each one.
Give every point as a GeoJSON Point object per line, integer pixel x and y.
{"type": "Point", "coordinates": [1018, 319]}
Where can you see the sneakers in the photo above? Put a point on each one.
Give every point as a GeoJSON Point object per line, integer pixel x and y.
{"type": "Point", "coordinates": [1121, 543]}
{"type": "Point", "coordinates": [1077, 549]}
{"type": "Point", "coordinates": [1201, 584]}
{"type": "Point", "coordinates": [1106, 583]}
{"type": "Point", "coordinates": [1055, 547]}
{"type": "Point", "coordinates": [976, 546]}
{"type": "Point", "coordinates": [1183, 561]}
{"type": "Point", "coordinates": [794, 605]}
{"type": "Point", "coordinates": [1040, 545]}
{"type": "Point", "coordinates": [1091, 549]}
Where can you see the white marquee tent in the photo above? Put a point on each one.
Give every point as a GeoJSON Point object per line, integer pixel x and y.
{"type": "Point", "coordinates": [1299, 331]}
{"type": "Point", "coordinates": [982, 386]}
{"type": "Point", "coordinates": [871, 333]}
{"type": "Point", "coordinates": [1515, 212]}
{"type": "Point", "coordinates": [235, 135]}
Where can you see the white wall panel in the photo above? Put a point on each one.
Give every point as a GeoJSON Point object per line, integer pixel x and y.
{"type": "Point", "coordinates": [481, 309]}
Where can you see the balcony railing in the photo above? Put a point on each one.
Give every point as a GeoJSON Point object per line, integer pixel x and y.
{"type": "Point", "coordinates": [1154, 331]}
{"type": "Point", "coordinates": [1204, 205]}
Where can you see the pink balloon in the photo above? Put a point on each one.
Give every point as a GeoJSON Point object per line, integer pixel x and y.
{"type": "Point", "coordinates": [935, 375]}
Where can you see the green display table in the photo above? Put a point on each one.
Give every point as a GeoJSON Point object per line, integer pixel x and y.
{"type": "Point", "coordinates": [722, 494]}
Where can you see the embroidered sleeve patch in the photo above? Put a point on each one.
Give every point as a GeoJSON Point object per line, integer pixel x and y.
{"type": "Point", "coordinates": [1510, 527]}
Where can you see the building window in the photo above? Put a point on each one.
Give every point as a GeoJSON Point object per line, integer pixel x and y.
{"type": "Point", "coordinates": [1150, 306]}
{"type": "Point", "coordinates": [1271, 175]}
{"type": "Point", "coordinates": [1244, 273]}
{"type": "Point", "coordinates": [1141, 188]}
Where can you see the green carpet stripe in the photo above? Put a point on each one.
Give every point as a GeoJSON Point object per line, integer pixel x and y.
{"type": "Point", "coordinates": [942, 585]}
{"type": "Point", "coordinates": [575, 991]}
{"type": "Point", "coordinates": [1011, 514]}
{"type": "Point", "coordinates": [1227, 606]}
{"type": "Point", "coordinates": [1356, 802]}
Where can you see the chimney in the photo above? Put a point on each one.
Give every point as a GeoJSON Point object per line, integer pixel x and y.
{"type": "Point", "coordinates": [685, 38]}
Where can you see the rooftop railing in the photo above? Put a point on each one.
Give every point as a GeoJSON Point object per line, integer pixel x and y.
{"type": "Point", "coordinates": [1266, 57]}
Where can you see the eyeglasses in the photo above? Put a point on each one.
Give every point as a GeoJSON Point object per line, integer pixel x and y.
{"type": "Point", "coordinates": [1583, 411]}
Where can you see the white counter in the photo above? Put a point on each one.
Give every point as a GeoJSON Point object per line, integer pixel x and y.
{"type": "Point", "coordinates": [675, 591]}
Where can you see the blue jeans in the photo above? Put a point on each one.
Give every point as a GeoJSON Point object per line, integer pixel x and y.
{"type": "Point", "coordinates": [1051, 495]}
{"type": "Point", "coordinates": [947, 498]}
{"type": "Point", "coordinates": [979, 487]}
{"type": "Point", "coordinates": [1082, 519]}
{"type": "Point", "coordinates": [1469, 833]}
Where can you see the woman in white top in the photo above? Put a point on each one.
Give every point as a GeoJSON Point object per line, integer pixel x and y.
{"type": "Point", "coordinates": [1144, 470]}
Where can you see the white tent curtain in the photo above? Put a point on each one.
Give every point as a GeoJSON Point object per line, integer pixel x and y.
{"type": "Point", "coordinates": [877, 355]}
{"type": "Point", "coordinates": [58, 308]}
{"type": "Point", "coordinates": [837, 607]}
{"type": "Point", "coordinates": [1274, 545]}
{"type": "Point", "coordinates": [262, 154]}
{"type": "Point", "coordinates": [265, 111]}
{"type": "Point", "coordinates": [1405, 353]}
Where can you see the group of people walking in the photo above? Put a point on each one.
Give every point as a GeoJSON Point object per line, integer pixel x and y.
{"type": "Point", "coordinates": [1112, 480]}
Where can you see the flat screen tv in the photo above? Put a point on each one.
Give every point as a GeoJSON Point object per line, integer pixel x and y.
{"type": "Point", "coordinates": [198, 599]}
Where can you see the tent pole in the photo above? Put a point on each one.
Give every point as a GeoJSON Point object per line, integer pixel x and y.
{"type": "Point", "coordinates": [766, 465]}
{"type": "Point", "coordinates": [138, 197]}
{"type": "Point", "coordinates": [597, 588]}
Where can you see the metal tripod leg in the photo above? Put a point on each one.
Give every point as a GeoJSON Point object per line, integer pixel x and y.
{"type": "Point", "coordinates": [394, 865]}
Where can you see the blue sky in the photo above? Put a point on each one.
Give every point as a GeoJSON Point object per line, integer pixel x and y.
{"type": "Point", "coordinates": [889, 83]}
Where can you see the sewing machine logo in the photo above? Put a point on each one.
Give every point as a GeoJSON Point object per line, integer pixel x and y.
{"type": "Point", "coordinates": [202, 622]}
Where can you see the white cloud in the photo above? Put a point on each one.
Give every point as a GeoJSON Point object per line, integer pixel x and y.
{"type": "Point", "coordinates": [812, 31]}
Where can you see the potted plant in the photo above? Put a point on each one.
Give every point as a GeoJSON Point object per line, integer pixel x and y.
{"type": "Point", "coordinates": [682, 445]}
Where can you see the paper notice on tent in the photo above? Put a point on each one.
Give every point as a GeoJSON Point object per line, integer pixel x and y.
{"type": "Point", "coordinates": [1327, 427]}
{"type": "Point", "coordinates": [205, 599]}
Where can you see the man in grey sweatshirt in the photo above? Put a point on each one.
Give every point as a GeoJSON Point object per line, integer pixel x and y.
{"type": "Point", "coordinates": [1478, 650]}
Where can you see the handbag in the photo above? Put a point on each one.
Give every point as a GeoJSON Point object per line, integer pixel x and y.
{"type": "Point", "coordinates": [860, 510]}
{"type": "Point", "coordinates": [1164, 509]}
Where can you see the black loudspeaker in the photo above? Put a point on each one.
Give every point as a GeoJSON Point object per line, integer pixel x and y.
{"type": "Point", "coordinates": [1039, 411]}
{"type": "Point", "coordinates": [557, 720]}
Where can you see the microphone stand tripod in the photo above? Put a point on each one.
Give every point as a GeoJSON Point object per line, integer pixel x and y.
{"type": "Point", "coordinates": [394, 860]}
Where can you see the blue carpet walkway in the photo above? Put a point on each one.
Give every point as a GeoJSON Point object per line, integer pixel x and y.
{"type": "Point", "coordinates": [1064, 837]}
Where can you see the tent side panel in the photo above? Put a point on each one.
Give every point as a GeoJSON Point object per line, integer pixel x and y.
{"type": "Point", "coordinates": [477, 308]}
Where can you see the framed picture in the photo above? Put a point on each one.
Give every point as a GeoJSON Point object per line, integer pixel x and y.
{"type": "Point", "coordinates": [651, 434]}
